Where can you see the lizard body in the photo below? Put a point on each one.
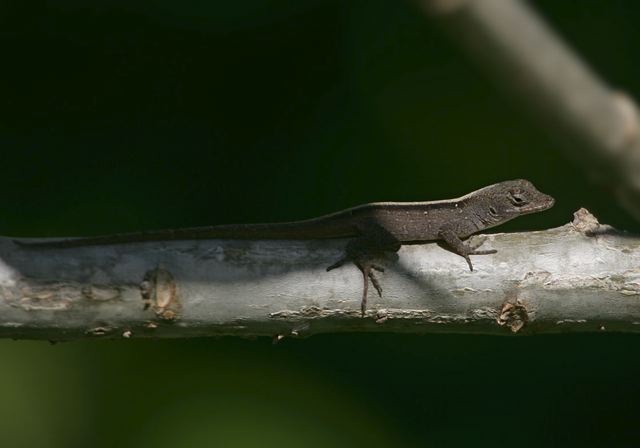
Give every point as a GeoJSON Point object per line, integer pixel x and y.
{"type": "Point", "coordinates": [375, 228]}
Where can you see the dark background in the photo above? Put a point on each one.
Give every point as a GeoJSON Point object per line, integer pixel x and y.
{"type": "Point", "coordinates": [118, 116]}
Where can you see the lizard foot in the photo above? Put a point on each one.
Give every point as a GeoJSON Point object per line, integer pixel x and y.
{"type": "Point", "coordinates": [473, 246]}
{"type": "Point", "coordinates": [368, 274]}
{"type": "Point", "coordinates": [477, 252]}
{"type": "Point", "coordinates": [464, 249]}
{"type": "Point", "coordinates": [367, 268]}
{"type": "Point", "coordinates": [373, 242]}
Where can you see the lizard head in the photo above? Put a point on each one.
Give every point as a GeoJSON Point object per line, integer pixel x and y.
{"type": "Point", "coordinates": [513, 198]}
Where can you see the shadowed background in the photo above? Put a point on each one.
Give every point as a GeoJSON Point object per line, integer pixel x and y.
{"type": "Point", "coordinates": [118, 117]}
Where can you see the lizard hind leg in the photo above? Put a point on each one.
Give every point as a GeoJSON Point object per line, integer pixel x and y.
{"type": "Point", "coordinates": [362, 251]}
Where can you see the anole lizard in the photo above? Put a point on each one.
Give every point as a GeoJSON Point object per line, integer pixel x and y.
{"type": "Point", "coordinates": [375, 228]}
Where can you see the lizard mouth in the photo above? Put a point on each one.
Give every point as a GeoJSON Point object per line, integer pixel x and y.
{"type": "Point", "coordinates": [542, 203]}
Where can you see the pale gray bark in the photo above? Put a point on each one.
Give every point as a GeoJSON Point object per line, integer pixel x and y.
{"type": "Point", "coordinates": [579, 277]}
{"type": "Point", "coordinates": [599, 126]}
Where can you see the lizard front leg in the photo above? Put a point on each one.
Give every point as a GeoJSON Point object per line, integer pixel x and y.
{"type": "Point", "coordinates": [363, 250]}
{"type": "Point", "coordinates": [460, 247]}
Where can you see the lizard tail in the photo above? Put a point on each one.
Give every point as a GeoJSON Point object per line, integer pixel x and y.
{"type": "Point", "coordinates": [291, 231]}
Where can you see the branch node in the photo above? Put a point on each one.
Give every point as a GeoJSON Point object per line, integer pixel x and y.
{"type": "Point", "coordinates": [513, 314]}
{"type": "Point", "coordinates": [159, 290]}
{"type": "Point", "coordinates": [585, 223]}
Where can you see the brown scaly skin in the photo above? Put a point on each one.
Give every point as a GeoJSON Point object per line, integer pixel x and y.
{"type": "Point", "coordinates": [375, 228]}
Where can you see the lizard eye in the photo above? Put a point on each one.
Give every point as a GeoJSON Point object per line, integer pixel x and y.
{"type": "Point", "coordinates": [517, 198]}
{"type": "Point", "coordinates": [493, 211]}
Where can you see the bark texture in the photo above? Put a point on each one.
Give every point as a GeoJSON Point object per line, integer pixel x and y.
{"type": "Point", "coordinates": [579, 277]}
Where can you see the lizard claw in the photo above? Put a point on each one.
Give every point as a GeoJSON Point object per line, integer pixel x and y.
{"type": "Point", "coordinates": [375, 283]}
{"type": "Point", "coordinates": [466, 257]}
{"type": "Point", "coordinates": [477, 252]}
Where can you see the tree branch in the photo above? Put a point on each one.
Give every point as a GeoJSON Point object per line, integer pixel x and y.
{"type": "Point", "coordinates": [599, 127]}
{"type": "Point", "coordinates": [579, 277]}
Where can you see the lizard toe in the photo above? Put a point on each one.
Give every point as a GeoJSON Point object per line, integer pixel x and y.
{"type": "Point", "coordinates": [375, 283]}
{"type": "Point", "coordinates": [337, 264]}
{"type": "Point", "coordinates": [483, 252]}
{"type": "Point", "coordinates": [466, 257]}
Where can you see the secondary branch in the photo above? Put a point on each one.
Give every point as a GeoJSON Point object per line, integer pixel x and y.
{"type": "Point", "coordinates": [599, 126]}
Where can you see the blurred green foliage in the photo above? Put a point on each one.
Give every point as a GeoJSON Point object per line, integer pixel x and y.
{"type": "Point", "coordinates": [118, 116]}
